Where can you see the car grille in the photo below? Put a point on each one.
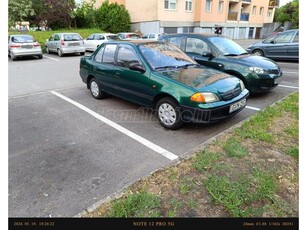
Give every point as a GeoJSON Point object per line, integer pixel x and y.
{"type": "Point", "coordinates": [27, 46]}
{"type": "Point", "coordinates": [230, 94]}
{"type": "Point", "coordinates": [74, 44]}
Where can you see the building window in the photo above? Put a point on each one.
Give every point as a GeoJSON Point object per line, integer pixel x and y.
{"type": "Point", "coordinates": [188, 29]}
{"type": "Point", "coordinates": [208, 5]}
{"type": "Point", "coordinates": [261, 11]}
{"type": "Point", "coordinates": [254, 10]}
{"type": "Point", "coordinates": [221, 3]}
{"type": "Point", "coordinates": [269, 13]}
{"type": "Point", "coordinates": [170, 4]}
{"type": "Point", "coordinates": [188, 5]}
{"type": "Point", "coordinates": [170, 30]}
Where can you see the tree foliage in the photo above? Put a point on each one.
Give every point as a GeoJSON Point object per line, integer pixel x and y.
{"type": "Point", "coordinates": [288, 13]}
{"type": "Point", "coordinates": [20, 10]}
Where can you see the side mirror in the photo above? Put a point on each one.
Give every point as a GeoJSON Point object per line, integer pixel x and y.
{"type": "Point", "coordinates": [137, 67]}
{"type": "Point", "coordinates": [273, 42]}
{"type": "Point", "coordinates": [207, 54]}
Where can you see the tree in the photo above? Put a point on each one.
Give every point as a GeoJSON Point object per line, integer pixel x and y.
{"type": "Point", "coordinates": [113, 17]}
{"type": "Point", "coordinates": [288, 13]}
{"type": "Point", "coordinates": [59, 13]}
{"type": "Point", "coordinates": [20, 10]}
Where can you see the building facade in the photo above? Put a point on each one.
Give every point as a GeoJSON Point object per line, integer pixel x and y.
{"type": "Point", "coordinates": [237, 19]}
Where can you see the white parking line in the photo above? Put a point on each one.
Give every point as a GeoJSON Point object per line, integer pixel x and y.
{"type": "Point", "coordinates": [123, 130]}
{"type": "Point", "coordinates": [290, 72]}
{"type": "Point", "coordinates": [287, 86]}
{"type": "Point", "coordinates": [51, 58]}
{"type": "Point", "coordinates": [252, 108]}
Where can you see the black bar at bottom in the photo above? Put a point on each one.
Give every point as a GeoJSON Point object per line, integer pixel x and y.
{"type": "Point", "coordinates": [153, 223]}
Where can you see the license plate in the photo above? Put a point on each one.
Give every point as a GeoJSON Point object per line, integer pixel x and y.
{"type": "Point", "coordinates": [237, 105]}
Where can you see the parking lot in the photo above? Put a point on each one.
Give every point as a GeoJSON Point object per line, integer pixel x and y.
{"type": "Point", "coordinates": [68, 151]}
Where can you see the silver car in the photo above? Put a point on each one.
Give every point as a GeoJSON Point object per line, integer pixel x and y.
{"type": "Point", "coordinates": [20, 45]}
{"type": "Point", "coordinates": [65, 43]}
{"type": "Point", "coordinates": [94, 40]}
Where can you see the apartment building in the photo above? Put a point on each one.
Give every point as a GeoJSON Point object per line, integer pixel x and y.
{"type": "Point", "coordinates": [237, 19]}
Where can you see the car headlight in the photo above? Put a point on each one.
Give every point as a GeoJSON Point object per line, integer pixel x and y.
{"type": "Point", "coordinates": [242, 85]}
{"type": "Point", "coordinates": [204, 97]}
{"type": "Point", "coordinates": [258, 70]}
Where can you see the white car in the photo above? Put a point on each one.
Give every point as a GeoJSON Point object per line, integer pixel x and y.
{"type": "Point", "coordinates": [65, 43]}
{"type": "Point", "coordinates": [94, 40]}
{"type": "Point", "coordinates": [151, 36]}
{"type": "Point", "coordinates": [20, 45]}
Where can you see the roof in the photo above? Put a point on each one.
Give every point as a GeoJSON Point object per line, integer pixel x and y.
{"type": "Point", "coordinates": [197, 34]}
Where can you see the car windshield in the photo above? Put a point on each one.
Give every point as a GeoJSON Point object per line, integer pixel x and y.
{"type": "Point", "coordinates": [72, 37]}
{"type": "Point", "coordinates": [23, 39]}
{"type": "Point", "coordinates": [163, 56]}
{"type": "Point", "coordinates": [227, 46]}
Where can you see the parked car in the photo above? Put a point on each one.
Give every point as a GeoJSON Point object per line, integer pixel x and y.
{"type": "Point", "coordinates": [259, 74]}
{"type": "Point", "coordinates": [152, 36]}
{"type": "Point", "coordinates": [128, 36]}
{"type": "Point", "coordinates": [160, 76]}
{"type": "Point", "coordinates": [21, 45]}
{"type": "Point", "coordinates": [281, 46]}
{"type": "Point", "coordinates": [95, 40]}
{"type": "Point", "coordinates": [65, 43]}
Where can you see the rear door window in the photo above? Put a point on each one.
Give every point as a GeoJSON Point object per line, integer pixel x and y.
{"type": "Point", "coordinates": [109, 53]}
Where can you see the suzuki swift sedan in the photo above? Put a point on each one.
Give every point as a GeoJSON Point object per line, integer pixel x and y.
{"type": "Point", "coordinates": [161, 76]}
{"type": "Point", "coordinates": [259, 74]}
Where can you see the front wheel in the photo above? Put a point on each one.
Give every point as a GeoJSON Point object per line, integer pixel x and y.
{"type": "Point", "coordinates": [96, 90]}
{"type": "Point", "coordinates": [168, 113]}
{"type": "Point", "coordinates": [258, 52]}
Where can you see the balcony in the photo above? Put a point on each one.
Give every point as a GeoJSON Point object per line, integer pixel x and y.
{"type": "Point", "coordinates": [232, 16]}
{"type": "Point", "coordinates": [244, 17]}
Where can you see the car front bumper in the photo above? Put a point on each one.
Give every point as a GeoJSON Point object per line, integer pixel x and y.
{"type": "Point", "coordinates": [198, 115]}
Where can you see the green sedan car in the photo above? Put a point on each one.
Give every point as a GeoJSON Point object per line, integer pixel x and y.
{"type": "Point", "coordinates": [259, 74]}
{"type": "Point", "coordinates": [160, 76]}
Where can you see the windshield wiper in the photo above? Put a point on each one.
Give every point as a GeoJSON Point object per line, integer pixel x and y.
{"type": "Point", "coordinates": [231, 54]}
{"type": "Point", "coordinates": [188, 65]}
{"type": "Point", "coordinates": [166, 67]}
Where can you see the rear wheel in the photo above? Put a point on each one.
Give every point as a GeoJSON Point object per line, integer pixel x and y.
{"type": "Point", "coordinates": [168, 113]}
{"type": "Point", "coordinates": [96, 90]}
{"type": "Point", "coordinates": [13, 57]}
{"type": "Point", "coordinates": [47, 50]}
{"type": "Point", "coordinates": [60, 53]}
{"type": "Point", "coordinates": [258, 52]}
{"type": "Point", "coordinates": [82, 53]}
{"type": "Point", "coordinates": [40, 56]}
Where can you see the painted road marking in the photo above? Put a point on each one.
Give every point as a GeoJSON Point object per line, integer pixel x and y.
{"type": "Point", "coordinates": [123, 130]}
{"type": "Point", "coordinates": [252, 108]}
{"type": "Point", "coordinates": [287, 86]}
{"type": "Point", "coordinates": [51, 58]}
{"type": "Point", "coordinates": [290, 72]}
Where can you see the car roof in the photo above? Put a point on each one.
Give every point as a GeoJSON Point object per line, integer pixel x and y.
{"type": "Point", "coordinates": [135, 42]}
{"type": "Point", "coordinates": [194, 34]}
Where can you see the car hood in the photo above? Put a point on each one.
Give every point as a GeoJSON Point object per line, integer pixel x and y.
{"type": "Point", "coordinates": [204, 79]}
{"type": "Point", "coordinates": [254, 61]}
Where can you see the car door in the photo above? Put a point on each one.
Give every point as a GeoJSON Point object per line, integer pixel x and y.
{"type": "Point", "coordinates": [133, 84]}
{"type": "Point", "coordinates": [196, 48]}
{"type": "Point", "coordinates": [56, 43]}
{"type": "Point", "coordinates": [293, 47]}
{"type": "Point", "coordinates": [89, 42]}
{"type": "Point", "coordinates": [50, 43]}
{"type": "Point", "coordinates": [279, 45]}
{"type": "Point", "coordinates": [104, 68]}
{"type": "Point", "coordinates": [99, 38]}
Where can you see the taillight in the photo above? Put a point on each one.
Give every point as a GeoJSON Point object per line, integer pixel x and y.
{"type": "Point", "coordinates": [62, 42]}
{"type": "Point", "coordinates": [15, 46]}
{"type": "Point", "coordinates": [36, 44]}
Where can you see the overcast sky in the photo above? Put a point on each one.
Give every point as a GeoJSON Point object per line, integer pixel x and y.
{"type": "Point", "coordinates": [284, 2]}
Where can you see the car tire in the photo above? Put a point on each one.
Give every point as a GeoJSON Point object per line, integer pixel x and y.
{"type": "Point", "coordinates": [82, 53]}
{"type": "Point", "coordinates": [258, 52]}
{"type": "Point", "coordinates": [13, 58]}
{"type": "Point", "coordinates": [40, 56]}
{"type": "Point", "coordinates": [60, 53]}
{"type": "Point", "coordinates": [168, 113]}
{"type": "Point", "coordinates": [47, 50]}
{"type": "Point", "coordinates": [95, 89]}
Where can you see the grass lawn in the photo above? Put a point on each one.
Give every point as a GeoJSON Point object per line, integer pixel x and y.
{"type": "Point", "coordinates": [250, 170]}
